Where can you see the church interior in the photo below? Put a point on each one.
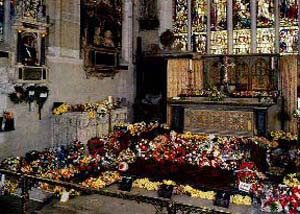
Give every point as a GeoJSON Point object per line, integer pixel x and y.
{"type": "Point", "coordinates": [149, 106]}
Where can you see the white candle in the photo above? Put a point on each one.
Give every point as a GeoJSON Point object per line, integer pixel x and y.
{"type": "Point", "coordinates": [110, 99]}
{"type": "Point", "coordinates": [298, 103]}
{"type": "Point", "coordinates": [190, 65]}
{"type": "Point", "coordinates": [272, 63]}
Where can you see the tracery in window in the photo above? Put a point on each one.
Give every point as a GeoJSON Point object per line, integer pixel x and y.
{"type": "Point", "coordinates": [218, 15]}
{"type": "Point", "coordinates": [181, 24]}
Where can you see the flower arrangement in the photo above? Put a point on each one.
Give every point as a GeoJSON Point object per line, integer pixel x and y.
{"type": "Point", "coordinates": [296, 114]}
{"type": "Point", "coordinates": [107, 178]}
{"type": "Point", "coordinates": [127, 156]}
{"type": "Point", "coordinates": [195, 193]}
{"type": "Point", "coordinates": [38, 93]}
{"type": "Point", "coordinates": [241, 200]}
{"type": "Point", "coordinates": [282, 135]}
{"type": "Point", "coordinates": [99, 108]}
{"type": "Point", "coordinates": [145, 183]}
{"type": "Point", "coordinates": [194, 150]}
{"type": "Point", "coordinates": [291, 180]}
{"type": "Point", "coordinates": [272, 94]}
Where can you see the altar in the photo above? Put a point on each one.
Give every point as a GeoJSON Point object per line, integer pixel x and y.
{"type": "Point", "coordinates": [226, 95]}
{"type": "Point", "coordinates": [244, 116]}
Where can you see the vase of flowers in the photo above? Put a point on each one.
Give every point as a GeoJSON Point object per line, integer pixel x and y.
{"type": "Point", "coordinates": [167, 39]}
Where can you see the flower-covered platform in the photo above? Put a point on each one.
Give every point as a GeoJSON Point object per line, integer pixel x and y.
{"type": "Point", "coordinates": [153, 157]}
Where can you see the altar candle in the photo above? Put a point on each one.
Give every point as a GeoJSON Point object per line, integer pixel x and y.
{"type": "Point", "coordinates": [190, 65]}
{"type": "Point", "coordinates": [110, 99]}
{"type": "Point", "coordinates": [298, 103]}
{"type": "Point", "coordinates": [272, 63]}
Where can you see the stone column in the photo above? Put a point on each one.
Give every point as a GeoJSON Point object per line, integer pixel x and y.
{"type": "Point", "coordinates": [229, 27]}
{"type": "Point", "coordinates": [189, 25]}
{"type": "Point", "coordinates": [127, 32]}
{"type": "Point", "coordinates": [7, 22]}
{"type": "Point", "coordinates": [277, 22]}
{"type": "Point", "coordinates": [70, 28]}
{"type": "Point", "coordinates": [208, 27]}
{"type": "Point", "coordinates": [165, 15]}
{"type": "Point", "coordinates": [54, 12]}
{"type": "Point", "coordinates": [253, 26]}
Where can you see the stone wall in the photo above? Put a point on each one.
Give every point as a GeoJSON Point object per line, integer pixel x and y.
{"type": "Point", "coordinates": [67, 80]}
{"type": "Point", "coordinates": [165, 15]}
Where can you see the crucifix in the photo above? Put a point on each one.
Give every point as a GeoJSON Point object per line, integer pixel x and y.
{"type": "Point", "coordinates": [225, 64]}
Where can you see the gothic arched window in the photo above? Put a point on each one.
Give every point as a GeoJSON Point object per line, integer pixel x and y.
{"type": "Point", "coordinates": [237, 26]}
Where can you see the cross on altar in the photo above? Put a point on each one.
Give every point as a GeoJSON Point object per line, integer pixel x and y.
{"type": "Point", "coordinates": [224, 71]}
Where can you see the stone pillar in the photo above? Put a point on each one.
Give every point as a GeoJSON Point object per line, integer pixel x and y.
{"type": "Point", "coordinates": [70, 28]}
{"type": "Point", "coordinates": [127, 32]}
{"type": "Point", "coordinates": [277, 23]}
{"type": "Point", "coordinates": [253, 26]}
{"type": "Point", "coordinates": [208, 27]}
{"type": "Point", "coordinates": [7, 21]}
{"type": "Point", "coordinates": [54, 12]}
{"type": "Point", "coordinates": [165, 15]}
{"type": "Point", "coordinates": [229, 27]}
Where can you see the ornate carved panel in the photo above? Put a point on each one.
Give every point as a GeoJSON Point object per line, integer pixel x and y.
{"type": "Point", "coordinates": [31, 27]}
{"type": "Point", "coordinates": [251, 72]}
{"type": "Point", "coordinates": [31, 10]}
{"type": "Point", "coordinates": [101, 36]}
{"type": "Point", "coordinates": [221, 122]}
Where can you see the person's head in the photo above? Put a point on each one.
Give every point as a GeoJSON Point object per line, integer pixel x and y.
{"type": "Point", "coordinates": [108, 34]}
{"type": "Point", "coordinates": [27, 40]}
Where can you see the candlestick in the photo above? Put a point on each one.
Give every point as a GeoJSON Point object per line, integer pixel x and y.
{"type": "Point", "coordinates": [272, 63]}
{"type": "Point", "coordinates": [190, 65]}
{"type": "Point", "coordinates": [110, 99]}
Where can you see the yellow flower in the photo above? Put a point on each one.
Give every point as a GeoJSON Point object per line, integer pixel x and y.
{"type": "Point", "coordinates": [169, 182]}
{"type": "Point", "coordinates": [241, 200]}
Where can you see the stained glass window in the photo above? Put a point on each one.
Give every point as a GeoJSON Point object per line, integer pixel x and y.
{"type": "Point", "coordinates": [219, 42]}
{"type": "Point", "coordinates": [181, 24]}
{"type": "Point", "coordinates": [199, 25]}
{"type": "Point", "coordinates": [265, 40]}
{"type": "Point", "coordinates": [288, 40]}
{"type": "Point", "coordinates": [241, 41]}
{"type": "Point", "coordinates": [265, 32]}
{"type": "Point", "coordinates": [241, 14]}
{"type": "Point", "coordinates": [265, 13]}
{"type": "Point", "coordinates": [1, 20]}
{"type": "Point", "coordinates": [181, 41]}
{"type": "Point", "coordinates": [288, 12]}
{"type": "Point", "coordinates": [200, 40]}
{"type": "Point", "coordinates": [199, 15]}
{"type": "Point", "coordinates": [218, 15]}
{"type": "Point", "coordinates": [241, 18]}
{"type": "Point", "coordinates": [275, 32]}
{"type": "Point", "coordinates": [288, 32]}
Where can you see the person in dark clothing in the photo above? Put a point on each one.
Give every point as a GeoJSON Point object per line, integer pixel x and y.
{"type": "Point", "coordinates": [28, 52]}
